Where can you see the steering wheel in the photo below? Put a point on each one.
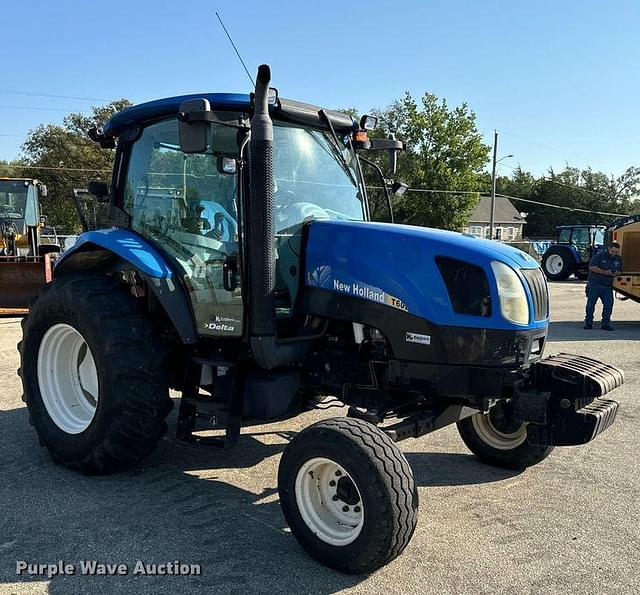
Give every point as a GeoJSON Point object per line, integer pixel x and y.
{"type": "Point", "coordinates": [310, 209]}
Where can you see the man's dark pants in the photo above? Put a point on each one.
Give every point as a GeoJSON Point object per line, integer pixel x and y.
{"type": "Point", "coordinates": [605, 294]}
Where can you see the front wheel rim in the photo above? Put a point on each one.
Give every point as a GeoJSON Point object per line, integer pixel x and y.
{"type": "Point", "coordinates": [67, 378]}
{"type": "Point", "coordinates": [554, 264]}
{"type": "Point", "coordinates": [329, 501]}
{"type": "Point", "coordinates": [492, 436]}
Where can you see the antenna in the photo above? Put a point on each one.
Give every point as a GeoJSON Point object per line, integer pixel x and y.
{"type": "Point", "coordinates": [236, 49]}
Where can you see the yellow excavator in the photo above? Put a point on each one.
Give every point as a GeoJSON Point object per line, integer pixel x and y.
{"type": "Point", "coordinates": [626, 232]}
{"type": "Point", "coordinates": [25, 261]}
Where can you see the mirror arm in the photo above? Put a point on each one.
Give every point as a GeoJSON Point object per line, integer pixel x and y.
{"type": "Point", "coordinates": [384, 184]}
{"type": "Point", "coordinates": [382, 144]}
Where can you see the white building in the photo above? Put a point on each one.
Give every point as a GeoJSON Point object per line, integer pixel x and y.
{"type": "Point", "coordinates": [508, 221]}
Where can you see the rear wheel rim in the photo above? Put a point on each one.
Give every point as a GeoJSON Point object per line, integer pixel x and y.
{"type": "Point", "coordinates": [554, 264]}
{"type": "Point", "coordinates": [329, 501]}
{"type": "Point", "coordinates": [68, 378]}
{"type": "Point", "coordinates": [498, 439]}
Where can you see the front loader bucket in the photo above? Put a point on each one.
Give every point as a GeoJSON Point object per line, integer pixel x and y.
{"type": "Point", "coordinates": [20, 281]}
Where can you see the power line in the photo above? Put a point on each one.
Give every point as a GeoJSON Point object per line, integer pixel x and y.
{"type": "Point", "coordinates": [50, 95]}
{"type": "Point", "coordinates": [432, 190]}
{"type": "Point", "coordinates": [40, 109]}
{"type": "Point", "coordinates": [56, 168]}
{"type": "Point", "coordinates": [527, 200]}
{"type": "Point", "coordinates": [599, 194]}
{"type": "Point", "coordinates": [582, 158]}
{"type": "Point", "coordinates": [546, 204]}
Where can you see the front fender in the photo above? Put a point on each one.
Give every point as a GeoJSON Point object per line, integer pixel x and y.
{"type": "Point", "coordinates": [120, 250]}
{"type": "Point", "coordinates": [124, 243]}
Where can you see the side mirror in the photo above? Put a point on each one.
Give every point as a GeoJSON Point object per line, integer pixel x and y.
{"type": "Point", "coordinates": [368, 122]}
{"type": "Point", "coordinates": [227, 165]}
{"type": "Point", "coordinates": [43, 191]}
{"type": "Point", "coordinates": [194, 128]}
{"type": "Point", "coordinates": [99, 189]}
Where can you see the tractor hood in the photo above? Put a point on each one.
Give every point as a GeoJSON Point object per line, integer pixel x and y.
{"type": "Point", "coordinates": [398, 266]}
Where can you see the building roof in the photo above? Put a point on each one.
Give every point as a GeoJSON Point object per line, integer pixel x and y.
{"type": "Point", "coordinates": [505, 211]}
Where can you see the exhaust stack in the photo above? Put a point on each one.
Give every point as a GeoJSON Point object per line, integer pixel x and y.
{"type": "Point", "coordinates": [261, 239]}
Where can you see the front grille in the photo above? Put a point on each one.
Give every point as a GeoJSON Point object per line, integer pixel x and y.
{"type": "Point", "coordinates": [538, 288]}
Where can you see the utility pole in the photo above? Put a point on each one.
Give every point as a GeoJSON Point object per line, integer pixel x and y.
{"type": "Point", "coordinates": [493, 186]}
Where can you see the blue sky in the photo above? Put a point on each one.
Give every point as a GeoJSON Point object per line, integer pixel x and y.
{"type": "Point", "coordinates": [559, 80]}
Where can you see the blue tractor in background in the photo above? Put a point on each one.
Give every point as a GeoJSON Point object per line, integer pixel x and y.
{"type": "Point", "coordinates": [238, 266]}
{"type": "Point", "coordinates": [572, 251]}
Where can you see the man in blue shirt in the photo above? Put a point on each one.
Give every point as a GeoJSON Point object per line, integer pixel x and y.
{"type": "Point", "coordinates": [603, 267]}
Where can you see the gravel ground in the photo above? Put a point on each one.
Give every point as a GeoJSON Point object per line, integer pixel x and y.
{"type": "Point", "coordinates": [570, 524]}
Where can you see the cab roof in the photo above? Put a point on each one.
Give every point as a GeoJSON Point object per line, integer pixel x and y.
{"type": "Point", "coordinates": [285, 109]}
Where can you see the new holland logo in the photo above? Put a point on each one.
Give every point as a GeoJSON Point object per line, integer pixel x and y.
{"type": "Point", "coordinates": [417, 338]}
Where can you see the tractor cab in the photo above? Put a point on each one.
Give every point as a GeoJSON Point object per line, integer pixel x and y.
{"type": "Point", "coordinates": [24, 258]}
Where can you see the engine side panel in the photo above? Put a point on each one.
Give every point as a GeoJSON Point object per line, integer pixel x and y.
{"type": "Point", "coordinates": [395, 266]}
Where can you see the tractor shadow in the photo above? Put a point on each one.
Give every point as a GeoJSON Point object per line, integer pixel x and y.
{"type": "Point", "coordinates": [570, 330]}
{"type": "Point", "coordinates": [196, 504]}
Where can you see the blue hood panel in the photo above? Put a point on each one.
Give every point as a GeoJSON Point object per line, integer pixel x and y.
{"type": "Point", "coordinates": [395, 265]}
{"type": "Point", "coordinates": [127, 245]}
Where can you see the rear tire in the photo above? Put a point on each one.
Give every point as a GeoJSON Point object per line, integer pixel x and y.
{"type": "Point", "coordinates": [558, 264]}
{"type": "Point", "coordinates": [348, 495]}
{"type": "Point", "coordinates": [498, 441]}
{"type": "Point", "coordinates": [94, 375]}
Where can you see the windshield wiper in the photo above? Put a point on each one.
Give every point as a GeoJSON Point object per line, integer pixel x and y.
{"type": "Point", "coordinates": [337, 150]}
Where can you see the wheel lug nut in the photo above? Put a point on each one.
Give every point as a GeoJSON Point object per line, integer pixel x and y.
{"type": "Point", "coordinates": [335, 498]}
{"type": "Point", "coordinates": [345, 509]}
{"type": "Point", "coordinates": [338, 473]}
{"type": "Point", "coordinates": [356, 509]}
{"type": "Point", "coordinates": [332, 483]}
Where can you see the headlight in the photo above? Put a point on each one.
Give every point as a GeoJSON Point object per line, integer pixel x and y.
{"type": "Point", "coordinates": [513, 299]}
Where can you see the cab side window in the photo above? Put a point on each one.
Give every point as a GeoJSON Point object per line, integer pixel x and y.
{"type": "Point", "coordinates": [187, 206]}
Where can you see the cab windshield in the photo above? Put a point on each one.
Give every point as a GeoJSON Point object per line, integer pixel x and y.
{"type": "Point", "coordinates": [13, 198]}
{"type": "Point", "coordinates": [314, 178]}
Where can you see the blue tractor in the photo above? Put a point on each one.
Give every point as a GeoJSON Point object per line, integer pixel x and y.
{"type": "Point", "coordinates": [238, 266]}
{"type": "Point", "coordinates": [572, 251]}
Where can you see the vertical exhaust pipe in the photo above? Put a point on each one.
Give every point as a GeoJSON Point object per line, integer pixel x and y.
{"type": "Point", "coordinates": [262, 231]}
{"type": "Point", "coordinates": [261, 238]}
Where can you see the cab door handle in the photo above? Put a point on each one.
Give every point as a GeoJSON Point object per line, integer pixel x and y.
{"type": "Point", "coordinates": [230, 274]}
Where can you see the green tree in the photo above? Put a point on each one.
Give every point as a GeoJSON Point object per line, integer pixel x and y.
{"type": "Point", "coordinates": [444, 152]}
{"type": "Point", "coordinates": [575, 189]}
{"type": "Point", "coordinates": [63, 157]}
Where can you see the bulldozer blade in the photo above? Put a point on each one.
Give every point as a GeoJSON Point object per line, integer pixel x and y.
{"type": "Point", "coordinates": [20, 282]}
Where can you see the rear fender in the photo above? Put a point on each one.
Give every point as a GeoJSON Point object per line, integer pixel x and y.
{"type": "Point", "coordinates": [574, 253]}
{"type": "Point", "coordinates": [112, 250]}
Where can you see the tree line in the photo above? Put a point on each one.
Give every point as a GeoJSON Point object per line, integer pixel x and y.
{"type": "Point", "coordinates": [445, 153]}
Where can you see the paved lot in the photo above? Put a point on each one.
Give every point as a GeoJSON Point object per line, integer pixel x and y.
{"type": "Point", "coordinates": [571, 524]}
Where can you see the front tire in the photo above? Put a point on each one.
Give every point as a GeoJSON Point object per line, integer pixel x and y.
{"type": "Point", "coordinates": [499, 441]}
{"type": "Point", "coordinates": [94, 375]}
{"type": "Point", "coordinates": [348, 495]}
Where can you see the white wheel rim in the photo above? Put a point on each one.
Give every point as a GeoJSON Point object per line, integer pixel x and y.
{"type": "Point", "coordinates": [329, 501]}
{"type": "Point", "coordinates": [68, 378]}
{"type": "Point", "coordinates": [554, 264]}
{"type": "Point", "coordinates": [493, 437]}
